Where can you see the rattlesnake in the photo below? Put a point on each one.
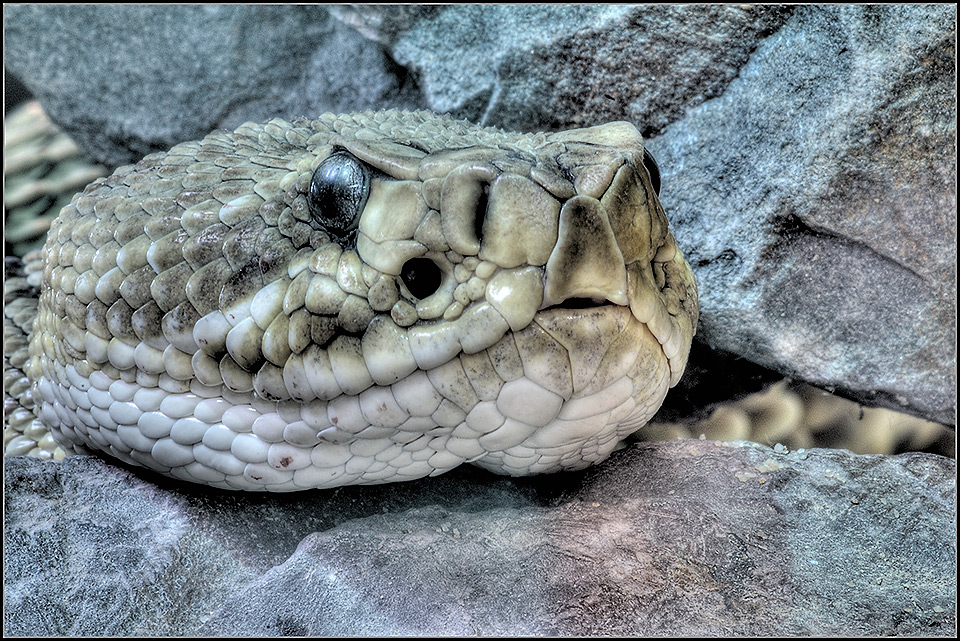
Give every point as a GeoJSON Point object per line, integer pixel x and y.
{"type": "Point", "coordinates": [362, 298]}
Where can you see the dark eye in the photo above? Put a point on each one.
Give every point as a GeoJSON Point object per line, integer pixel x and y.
{"type": "Point", "coordinates": [653, 169]}
{"type": "Point", "coordinates": [338, 193]}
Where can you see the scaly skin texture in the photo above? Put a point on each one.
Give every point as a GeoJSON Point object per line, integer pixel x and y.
{"type": "Point", "coordinates": [435, 293]}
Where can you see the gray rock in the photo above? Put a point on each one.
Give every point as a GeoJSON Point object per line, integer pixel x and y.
{"type": "Point", "coordinates": [808, 153]}
{"type": "Point", "coordinates": [128, 80]}
{"type": "Point", "coordinates": [549, 67]}
{"type": "Point", "coordinates": [519, 67]}
{"type": "Point", "coordinates": [816, 201]}
{"type": "Point", "coordinates": [805, 543]}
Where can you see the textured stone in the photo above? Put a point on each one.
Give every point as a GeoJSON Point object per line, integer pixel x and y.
{"type": "Point", "coordinates": [816, 201]}
{"type": "Point", "coordinates": [804, 543]}
{"type": "Point", "coordinates": [128, 80]}
{"type": "Point", "coordinates": [533, 67]}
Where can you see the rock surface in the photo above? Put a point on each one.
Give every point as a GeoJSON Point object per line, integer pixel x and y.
{"type": "Point", "coordinates": [124, 81]}
{"type": "Point", "coordinates": [816, 201]}
{"type": "Point", "coordinates": [686, 538]}
{"type": "Point", "coordinates": [808, 152]}
{"type": "Point", "coordinates": [524, 67]}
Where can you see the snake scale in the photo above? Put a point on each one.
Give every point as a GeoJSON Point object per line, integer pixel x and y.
{"type": "Point", "coordinates": [362, 298]}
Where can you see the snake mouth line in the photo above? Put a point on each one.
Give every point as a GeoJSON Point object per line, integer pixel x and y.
{"type": "Point", "coordinates": [580, 305]}
{"type": "Point", "coordinates": [582, 310]}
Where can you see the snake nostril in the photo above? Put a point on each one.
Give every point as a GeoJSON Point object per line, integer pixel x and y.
{"type": "Point", "coordinates": [421, 276]}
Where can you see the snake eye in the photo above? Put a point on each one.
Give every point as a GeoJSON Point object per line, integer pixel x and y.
{"type": "Point", "coordinates": [653, 169]}
{"type": "Point", "coordinates": [338, 192]}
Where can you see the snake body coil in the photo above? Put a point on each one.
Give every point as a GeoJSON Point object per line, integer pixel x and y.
{"type": "Point", "coordinates": [363, 298]}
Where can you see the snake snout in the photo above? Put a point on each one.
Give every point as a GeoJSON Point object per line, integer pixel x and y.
{"type": "Point", "coordinates": [586, 264]}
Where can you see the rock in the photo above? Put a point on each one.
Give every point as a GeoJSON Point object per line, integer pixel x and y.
{"type": "Point", "coordinates": [808, 153]}
{"type": "Point", "coordinates": [816, 201]}
{"type": "Point", "coordinates": [518, 67]}
{"type": "Point", "coordinates": [128, 80]}
{"type": "Point", "coordinates": [549, 67]}
{"type": "Point", "coordinates": [821, 542]}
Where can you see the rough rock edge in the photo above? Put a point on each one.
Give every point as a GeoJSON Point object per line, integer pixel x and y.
{"type": "Point", "coordinates": [812, 543]}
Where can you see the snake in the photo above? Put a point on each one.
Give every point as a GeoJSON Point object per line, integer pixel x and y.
{"type": "Point", "coordinates": [359, 299]}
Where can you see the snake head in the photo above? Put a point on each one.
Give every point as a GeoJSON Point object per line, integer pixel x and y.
{"type": "Point", "coordinates": [484, 238]}
{"type": "Point", "coordinates": [364, 298]}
